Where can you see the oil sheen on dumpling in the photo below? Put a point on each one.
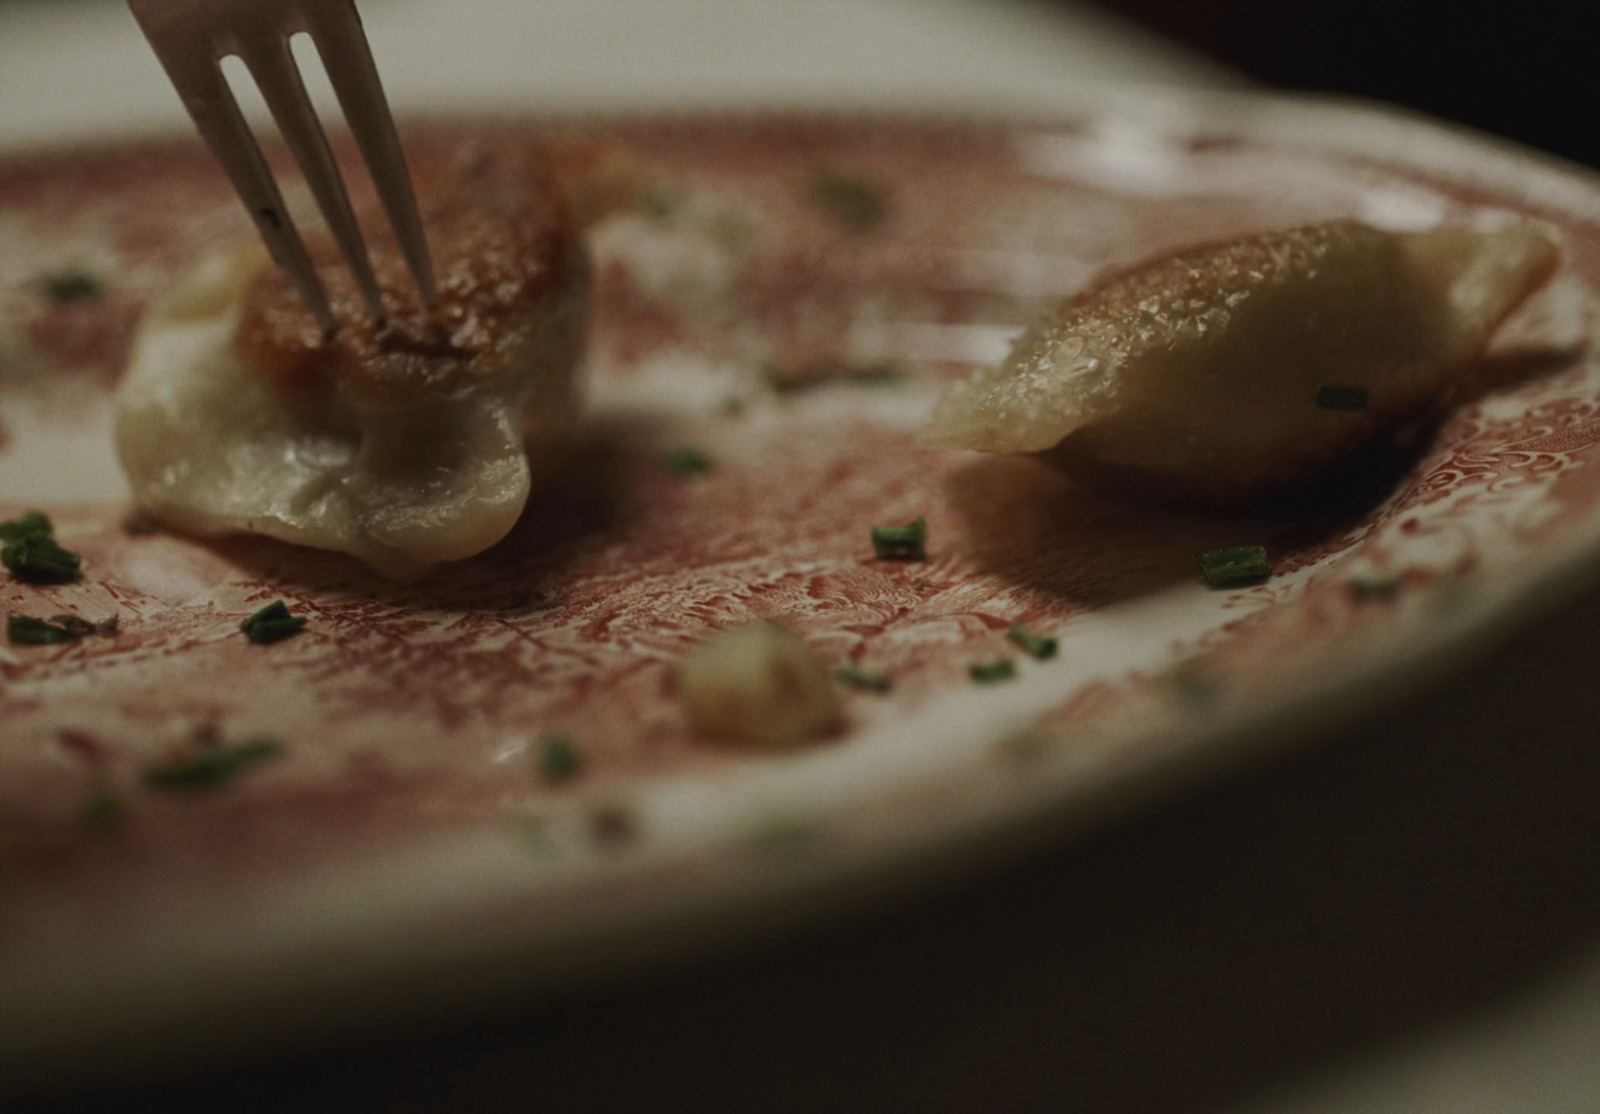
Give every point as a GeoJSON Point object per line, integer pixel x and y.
{"type": "Point", "coordinates": [1196, 375]}
{"type": "Point", "coordinates": [405, 446]}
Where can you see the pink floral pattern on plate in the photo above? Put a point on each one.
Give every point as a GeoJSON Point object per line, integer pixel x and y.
{"type": "Point", "coordinates": [787, 302]}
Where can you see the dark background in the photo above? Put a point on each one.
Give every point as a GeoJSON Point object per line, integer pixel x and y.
{"type": "Point", "coordinates": [1527, 71]}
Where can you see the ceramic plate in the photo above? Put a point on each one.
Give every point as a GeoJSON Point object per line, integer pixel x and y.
{"type": "Point", "coordinates": [786, 302]}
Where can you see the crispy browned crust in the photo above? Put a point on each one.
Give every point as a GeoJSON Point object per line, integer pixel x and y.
{"type": "Point", "coordinates": [505, 245]}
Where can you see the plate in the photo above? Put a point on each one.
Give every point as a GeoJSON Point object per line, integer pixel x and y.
{"type": "Point", "coordinates": [786, 302]}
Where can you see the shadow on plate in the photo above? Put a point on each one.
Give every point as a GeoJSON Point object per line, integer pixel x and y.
{"type": "Point", "coordinates": [1036, 527]}
{"type": "Point", "coordinates": [587, 500]}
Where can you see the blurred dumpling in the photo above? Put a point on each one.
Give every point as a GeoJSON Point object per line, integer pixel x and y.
{"type": "Point", "coordinates": [407, 445]}
{"type": "Point", "coordinates": [1224, 372]}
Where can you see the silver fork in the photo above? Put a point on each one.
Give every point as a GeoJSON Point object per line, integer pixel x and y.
{"type": "Point", "coordinates": [191, 37]}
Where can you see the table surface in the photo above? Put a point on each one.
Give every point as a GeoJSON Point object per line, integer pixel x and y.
{"type": "Point", "coordinates": [1403, 917]}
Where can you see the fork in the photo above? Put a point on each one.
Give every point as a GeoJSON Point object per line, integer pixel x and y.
{"type": "Point", "coordinates": [190, 39]}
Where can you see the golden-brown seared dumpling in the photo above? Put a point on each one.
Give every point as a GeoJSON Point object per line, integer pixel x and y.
{"type": "Point", "coordinates": [1198, 374]}
{"type": "Point", "coordinates": [406, 445]}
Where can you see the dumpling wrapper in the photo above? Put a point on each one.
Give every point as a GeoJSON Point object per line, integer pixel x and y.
{"type": "Point", "coordinates": [406, 447]}
{"type": "Point", "coordinates": [1196, 375]}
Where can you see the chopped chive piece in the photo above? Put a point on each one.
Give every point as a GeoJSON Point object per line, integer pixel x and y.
{"type": "Point", "coordinates": [71, 286]}
{"type": "Point", "coordinates": [23, 630]}
{"type": "Point", "coordinates": [1001, 669]}
{"type": "Point", "coordinates": [1224, 568]}
{"type": "Point", "coordinates": [210, 766]}
{"type": "Point", "coordinates": [272, 623]}
{"type": "Point", "coordinates": [29, 525]}
{"type": "Point", "coordinates": [103, 810]}
{"type": "Point", "coordinates": [687, 462]}
{"type": "Point", "coordinates": [861, 677]}
{"type": "Point", "coordinates": [1373, 587]}
{"type": "Point", "coordinates": [854, 201]}
{"type": "Point", "coordinates": [901, 543]}
{"type": "Point", "coordinates": [658, 203]}
{"type": "Point", "coordinates": [1341, 398]}
{"type": "Point", "coordinates": [37, 558]}
{"type": "Point", "coordinates": [558, 758]}
{"type": "Point", "coordinates": [1036, 646]}
{"type": "Point", "coordinates": [1193, 687]}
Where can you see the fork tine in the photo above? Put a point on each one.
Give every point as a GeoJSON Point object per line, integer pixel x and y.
{"type": "Point", "coordinates": [335, 28]}
{"type": "Point", "coordinates": [196, 75]}
{"type": "Point", "coordinates": [275, 73]}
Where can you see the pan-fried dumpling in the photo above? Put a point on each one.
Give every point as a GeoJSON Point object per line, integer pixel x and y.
{"type": "Point", "coordinates": [405, 445]}
{"type": "Point", "coordinates": [1224, 372]}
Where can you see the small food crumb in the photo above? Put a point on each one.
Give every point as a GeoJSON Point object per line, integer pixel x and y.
{"type": "Point", "coordinates": [901, 543]}
{"type": "Point", "coordinates": [139, 525]}
{"type": "Point", "coordinates": [272, 624]}
{"type": "Point", "coordinates": [1001, 669]}
{"type": "Point", "coordinates": [757, 684]}
{"type": "Point", "coordinates": [74, 625]}
{"type": "Point", "coordinates": [613, 825]}
{"type": "Point", "coordinates": [1225, 568]}
{"type": "Point", "coordinates": [1036, 646]}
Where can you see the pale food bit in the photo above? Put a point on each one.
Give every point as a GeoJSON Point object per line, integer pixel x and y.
{"type": "Point", "coordinates": [405, 445]}
{"type": "Point", "coordinates": [757, 684]}
{"type": "Point", "coordinates": [1198, 375]}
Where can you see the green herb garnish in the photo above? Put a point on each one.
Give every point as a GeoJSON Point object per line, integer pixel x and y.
{"type": "Point", "coordinates": [1193, 687]}
{"type": "Point", "coordinates": [211, 765]}
{"type": "Point", "coordinates": [901, 543]}
{"type": "Point", "coordinates": [23, 630]}
{"type": "Point", "coordinates": [1341, 398]}
{"type": "Point", "coordinates": [1036, 646]}
{"type": "Point", "coordinates": [558, 758]}
{"type": "Point", "coordinates": [658, 202]}
{"type": "Point", "coordinates": [856, 202]}
{"type": "Point", "coordinates": [272, 623]}
{"type": "Point", "coordinates": [860, 677]}
{"type": "Point", "coordinates": [1373, 587]}
{"type": "Point", "coordinates": [72, 286]}
{"type": "Point", "coordinates": [29, 525]}
{"type": "Point", "coordinates": [37, 558]}
{"type": "Point", "coordinates": [685, 463]}
{"type": "Point", "coordinates": [1001, 669]}
{"type": "Point", "coordinates": [1224, 568]}
{"type": "Point", "coordinates": [103, 810]}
